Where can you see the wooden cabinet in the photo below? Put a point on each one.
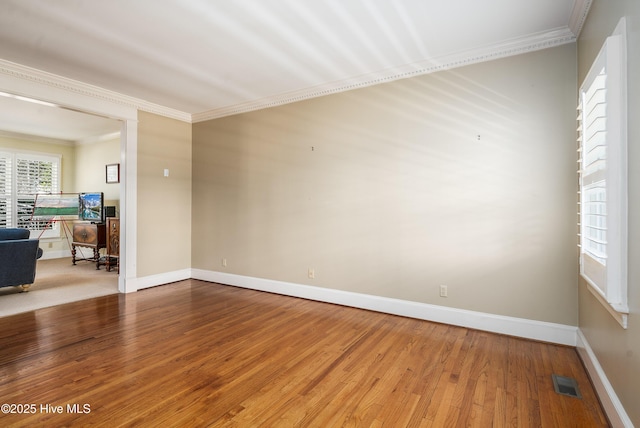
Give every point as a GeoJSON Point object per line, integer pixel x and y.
{"type": "Point", "coordinates": [113, 243]}
{"type": "Point", "coordinates": [88, 235]}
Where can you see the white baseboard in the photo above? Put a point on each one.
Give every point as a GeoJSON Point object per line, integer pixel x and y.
{"type": "Point", "coordinates": [611, 404]}
{"type": "Point", "coordinates": [160, 279]}
{"type": "Point", "coordinates": [59, 254]}
{"type": "Point", "coordinates": [519, 327]}
{"type": "Point", "coordinates": [530, 329]}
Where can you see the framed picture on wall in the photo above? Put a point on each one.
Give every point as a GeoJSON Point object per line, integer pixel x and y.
{"type": "Point", "coordinates": [113, 173]}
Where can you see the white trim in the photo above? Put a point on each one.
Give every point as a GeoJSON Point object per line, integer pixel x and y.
{"type": "Point", "coordinates": [97, 138]}
{"type": "Point", "coordinates": [579, 15]}
{"type": "Point", "coordinates": [608, 398]}
{"type": "Point", "coordinates": [619, 313]}
{"type": "Point", "coordinates": [527, 44]}
{"type": "Point", "coordinates": [608, 283]}
{"type": "Point", "coordinates": [56, 254]}
{"type": "Point", "coordinates": [59, 82]}
{"type": "Point", "coordinates": [515, 47]}
{"type": "Point", "coordinates": [35, 138]}
{"type": "Point", "coordinates": [529, 329]}
{"type": "Point", "coordinates": [40, 88]}
{"type": "Point", "coordinates": [128, 205]}
{"type": "Point", "coordinates": [162, 279]}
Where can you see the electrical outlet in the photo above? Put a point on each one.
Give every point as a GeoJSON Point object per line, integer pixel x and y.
{"type": "Point", "coordinates": [443, 291]}
{"type": "Point", "coordinates": [312, 273]}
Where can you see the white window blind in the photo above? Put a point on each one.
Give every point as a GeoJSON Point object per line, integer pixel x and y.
{"type": "Point", "coordinates": [594, 164]}
{"type": "Point", "coordinates": [5, 190]}
{"type": "Point", "coordinates": [603, 176]}
{"type": "Point", "coordinates": [22, 177]}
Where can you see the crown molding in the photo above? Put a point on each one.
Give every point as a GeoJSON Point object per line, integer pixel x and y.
{"type": "Point", "coordinates": [515, 47]}
{"type": "Point", "coordinates": [53, 80]}
{"type": "Point", "coordinates": [579, 15]}
{"type": "Point", "coordinates": [34, 138]}
{"type": "Point", "coordinates": [98, 138]}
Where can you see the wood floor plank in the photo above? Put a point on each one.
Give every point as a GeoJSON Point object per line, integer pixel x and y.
{"type": "Point", "coordinates": [202, 354]}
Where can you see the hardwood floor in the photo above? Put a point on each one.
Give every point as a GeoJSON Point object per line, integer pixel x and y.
{"type": "Point", "coordinates": [201, 354]}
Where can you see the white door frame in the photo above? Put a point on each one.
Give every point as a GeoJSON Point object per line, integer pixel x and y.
{"type": "Point", "coordinates": [31, 83]}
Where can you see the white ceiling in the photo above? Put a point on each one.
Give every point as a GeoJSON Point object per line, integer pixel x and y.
{"type": "Point", "coordinates": [200, 59]}
{"type": "Point", "coordinates": [20, 119]}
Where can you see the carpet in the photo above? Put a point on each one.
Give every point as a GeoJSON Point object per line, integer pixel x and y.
{"type": "Point", "coordinates": [57, 282]}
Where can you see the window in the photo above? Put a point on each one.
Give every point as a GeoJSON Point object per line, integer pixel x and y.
{"type": "Point", "coordinates": [22, 177]}
{"type": "Point", "coordinates": [603, 176]}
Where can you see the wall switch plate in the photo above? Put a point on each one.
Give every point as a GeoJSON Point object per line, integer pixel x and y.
{"type": "Point", "coordinates": [224, 262]}
{"type": "Point", "coordinates": [312, 273]}
{"type": "Point", "coordinates": [443, 291]}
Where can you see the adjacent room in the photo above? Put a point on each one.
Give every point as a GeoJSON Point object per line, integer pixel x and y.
{"type": "Point", "coordinates": [360, 213]}
{"type": "Point", "coordinates": [49, 155]}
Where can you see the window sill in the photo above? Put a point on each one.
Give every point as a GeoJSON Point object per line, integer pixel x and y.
{"type": "Point", "coordinates": [618, 313]}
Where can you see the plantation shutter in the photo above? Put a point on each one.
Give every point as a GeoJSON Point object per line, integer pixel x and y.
{"type": "Point", "coordinates": [603, 176]}
{"type": "Point", "coordinates": [593, 135]}
{"type": "Point", "coordinates": [34, 174]}
{"type": "Point", "coordinates": [5, 190]}
{"type": "Point", "coordinates": [22, 177]}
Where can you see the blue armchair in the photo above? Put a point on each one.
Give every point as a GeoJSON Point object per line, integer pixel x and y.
{"type": "Point", "coordinates": [18, 256]}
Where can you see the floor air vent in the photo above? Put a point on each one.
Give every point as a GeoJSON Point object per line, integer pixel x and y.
{"type": "Point", "coordinates": [566, 386]}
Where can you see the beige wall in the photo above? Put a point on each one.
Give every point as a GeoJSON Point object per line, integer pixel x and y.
{"type": "Point", "coordinates": [164, 203]}
{"type": "Point", "coordinates": [91, 160]}
{"type": "Point", "coordinates": [618, 350]}
{"type": "Point", "coordinates": [463, 178]}
{"type": "Point", "coordinates": [89, 171]}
